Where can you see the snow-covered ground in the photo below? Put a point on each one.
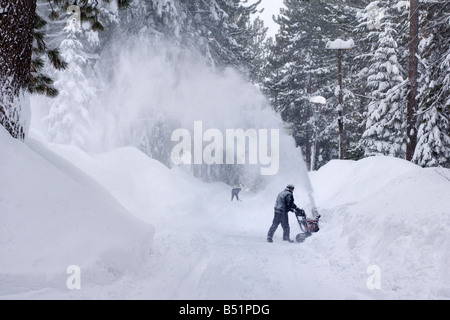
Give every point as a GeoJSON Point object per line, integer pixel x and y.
{"type": "Point", "coordinates": [138, 230]}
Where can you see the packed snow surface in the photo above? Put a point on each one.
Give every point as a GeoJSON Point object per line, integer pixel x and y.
{"type": "Point", "coordinates": [138, 230]}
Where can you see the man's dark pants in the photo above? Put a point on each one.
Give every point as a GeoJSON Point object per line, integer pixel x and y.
{"type": "Point", "coordinates": [280, 217]}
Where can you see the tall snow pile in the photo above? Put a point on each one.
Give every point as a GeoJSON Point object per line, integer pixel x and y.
{"type": "Point", "coordinates": [386, 215]}
{"type": "Point", "coordinates": [144, 186]}
{"type": "Point", "coordinates": [54, 216]}
{"type": "Point", "coordinates": [384, 230]}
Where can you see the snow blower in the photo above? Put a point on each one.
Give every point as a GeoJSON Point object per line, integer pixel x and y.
{"type": "Point", "coordinates": [307, 226]}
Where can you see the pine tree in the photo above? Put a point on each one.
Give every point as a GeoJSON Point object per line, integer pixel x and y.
{"type": "Point", "coordinates": [224, 36]}
{"type": "Point", "coordinates": [291, 61]}
{"type": "Point", "coordinates": [301, 67]}
{"type": "Point", "coordinates": [17, 20]}
{"type": "Point", "coordinates": [225, 30]}
{"type": "Point", "coordinates": [412, 105]}
{"type": "Point", "coordinates": [69, 112]}
{"type": "Point", "coordinates": [256, 50]}
{"type": "Point", "coordinates": [221, 30]}
{"type": "Point", "coordinates": [19, 26]}
{"type": "Point", "coordinates": [433, 136]}
{"type": "Point", "coordinates": [344, 16]}
{"type": "Point", "coordinates": [40, 81]}
{"type": "Point", "coordinates": [155, 141]}
{"type": "Point", "coordinates": [385, 127]}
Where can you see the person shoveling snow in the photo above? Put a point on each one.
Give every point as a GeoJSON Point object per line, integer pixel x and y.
{"type": "Point", "coordinates": [235, 193]}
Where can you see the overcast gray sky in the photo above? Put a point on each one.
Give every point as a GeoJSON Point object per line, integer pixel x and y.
{"type": "Point", "coordinates": [271, 7]}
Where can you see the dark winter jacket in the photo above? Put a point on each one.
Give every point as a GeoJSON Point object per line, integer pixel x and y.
{"type": "Point", "coordinates": [285, 201]}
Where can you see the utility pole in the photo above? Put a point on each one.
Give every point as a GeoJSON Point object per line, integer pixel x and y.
{"type": "Point", "coordinates": [340, 107]}
{"type": "Point", "coordinates": [411, 132]}
{"type": "Point", "coordinates": [316, 100]}
{"type": "Point", "coordinates": [340, 45]}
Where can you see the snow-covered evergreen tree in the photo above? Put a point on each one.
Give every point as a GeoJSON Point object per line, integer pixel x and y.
{"type": "Point", "coordinates": [433, 136]}
{"type": "Point", "coordinates": [219, 29]}
{"type": "Point", "coordinates": [256, 50]}
{"type": "Point", "coordinates": [292, 67]}
{"type": "Point", "coordinates": [221, 33]}
{"type": "Point", "coordinates": [385, 128]}
{"type": "Point", "coordinates": [69, 113]}
{"type": "Point", "coordinates": [300, 67]}
{"type": "Point", "coordinates": [20, 21]}
{"type": "Point", "coordinates": [17, 20]}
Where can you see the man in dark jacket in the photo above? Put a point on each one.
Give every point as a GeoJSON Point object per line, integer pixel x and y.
{"type": "Point", "coordinates": [284, 204]}
{"type": "Point", "coordinates": [235, 193]}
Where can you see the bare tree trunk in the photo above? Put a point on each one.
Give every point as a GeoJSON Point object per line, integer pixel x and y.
{"type": "Point", "coordinates": [16, 41]}
{"type": "Point", "coordinates": [411, 132]}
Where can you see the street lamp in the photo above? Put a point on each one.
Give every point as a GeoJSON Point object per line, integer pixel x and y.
{"type": "Point", "coordinates": [317, 100]}
{"type": "Point", "coordinates": [340, 45]}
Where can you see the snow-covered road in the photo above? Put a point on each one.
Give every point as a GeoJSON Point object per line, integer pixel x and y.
{"type": "Point", "coordinates": [210, 260]}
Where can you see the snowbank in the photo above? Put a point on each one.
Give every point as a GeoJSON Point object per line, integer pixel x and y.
{"type": "Point", "coordinates": [144, 186]}
{"type": "Point", "coordinates": [53, 216]}
{"type": "Point", "coordinates": [384, 230]}
{"type": "Point", "coordinates": [388, 214]}
{"type": "Point", "coordinates": [381, 213]}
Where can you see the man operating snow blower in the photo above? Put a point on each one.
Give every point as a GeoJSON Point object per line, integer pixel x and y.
{"type": "Point", "coordinates": [284, 204]}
